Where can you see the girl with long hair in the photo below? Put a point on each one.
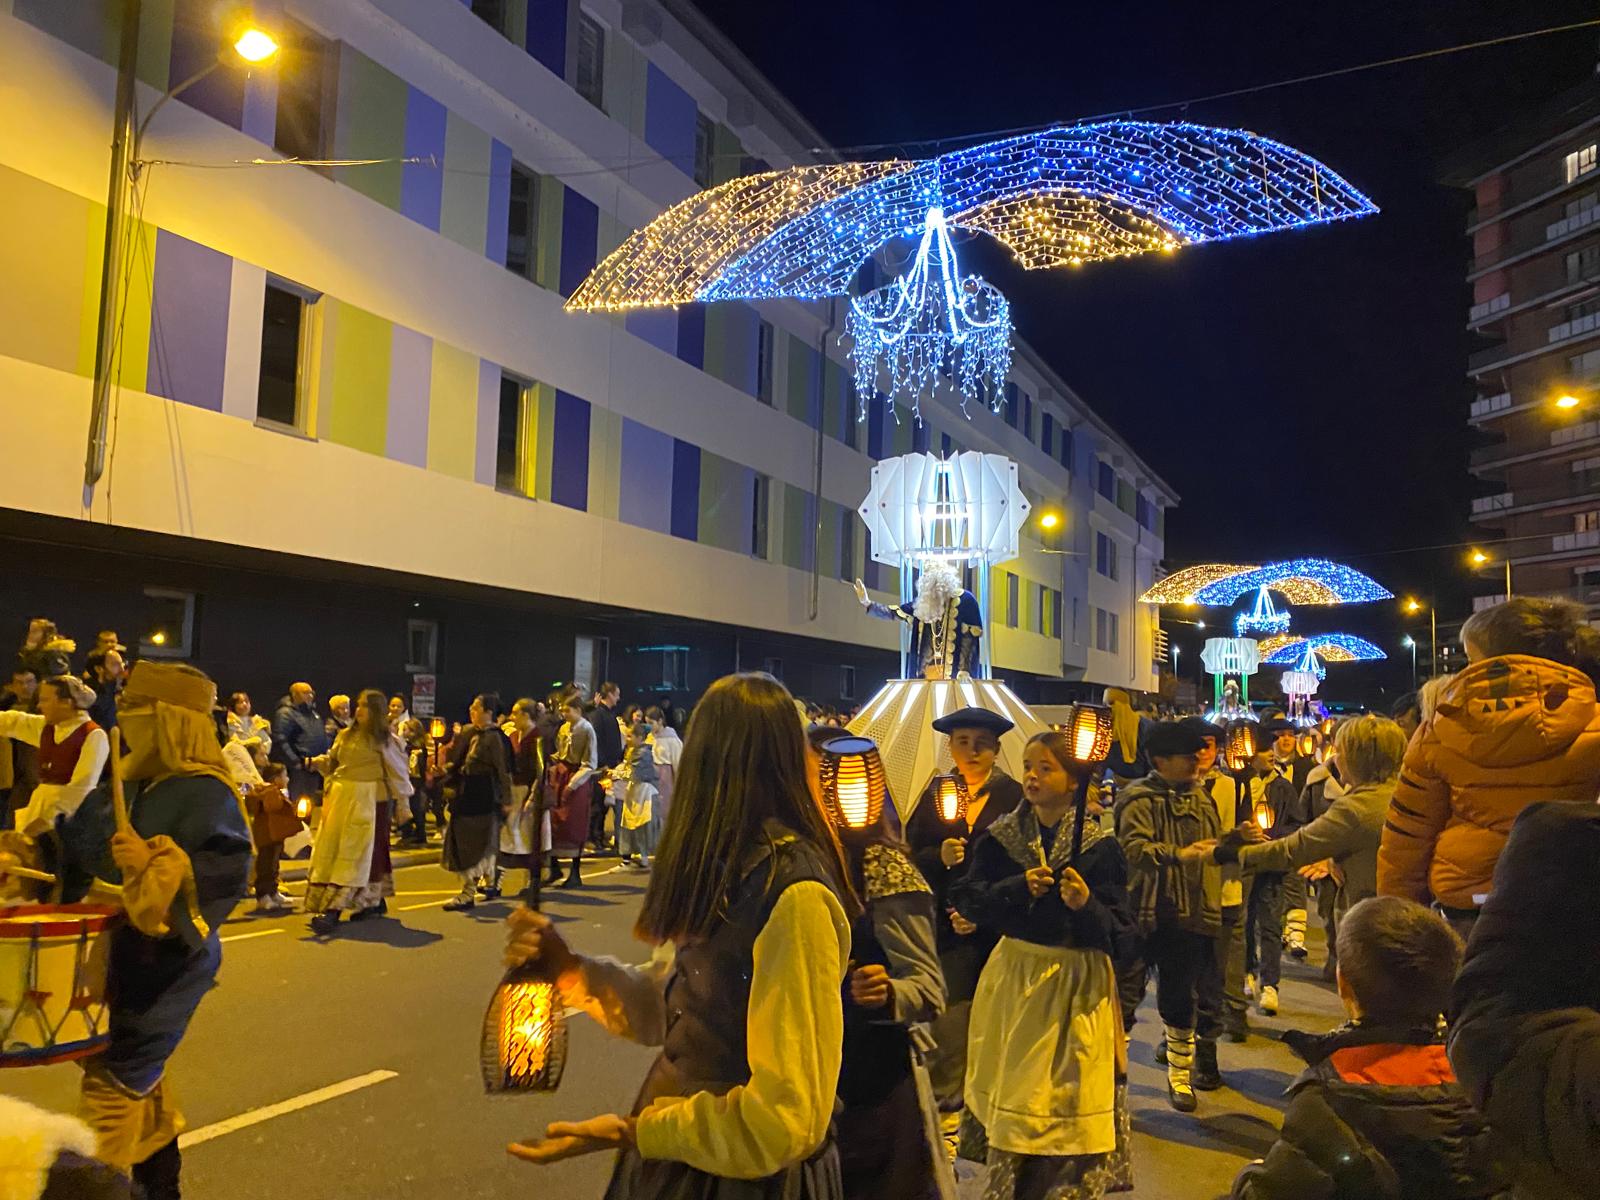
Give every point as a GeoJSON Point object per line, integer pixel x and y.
{"type": "Point", "coordinates": [350, 869]}
{"type": "Point", "coordinates": [749, 908]}
{"type": "Point", "coordinates": [1046, 1036]}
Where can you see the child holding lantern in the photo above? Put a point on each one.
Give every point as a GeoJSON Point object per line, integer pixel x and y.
{"type": "Point", "coordinates": [1045, 1046]}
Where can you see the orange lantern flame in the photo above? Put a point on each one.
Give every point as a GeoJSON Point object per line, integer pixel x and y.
{"type": "Point", "coordinates": [951, 795]}
{"type": "Point", "coordinates": [436, 728]}
{"type": "Point", "coordinates": [302, 808]}
{"type": "Point", "coordinates": [1241, 749]}
{"type": "Point", "coordinates": [524, 1035]}
{"type": "Point", "coordinates": [1088, 731]}
{"type": "Point", "coordinates": [853, 782]}
{"type": "Point", "coordinates": [1263, 815]}
{"type": "Point", "coordinates": [1306, 743]}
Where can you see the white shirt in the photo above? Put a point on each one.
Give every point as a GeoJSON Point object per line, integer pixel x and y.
{"type": "Point", "coordinates": [51, 800]}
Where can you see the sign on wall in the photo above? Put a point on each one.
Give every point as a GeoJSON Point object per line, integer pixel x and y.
{"type": "Point", "coordinates": [423, 690]}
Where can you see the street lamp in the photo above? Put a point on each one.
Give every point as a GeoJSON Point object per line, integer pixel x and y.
{"type": "Point", "coordinates": [1567, 400]}
{"type": "Point", "coordinates": [1412, 606]}
{"type": "Point", "coordinates": [1411, 644]}
{"type": "Point", "coordinates": [1479, 559]}
{"type": "Point", "coordinates": [250, 45]}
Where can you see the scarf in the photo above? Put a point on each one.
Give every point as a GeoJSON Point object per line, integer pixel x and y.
{"type": "Point", "coordinates": [1018, 832]}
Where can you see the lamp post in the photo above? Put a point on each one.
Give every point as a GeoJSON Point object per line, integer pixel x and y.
{"type": "Point", "coordinates": [1413, 606]}
{"type": "Point", "coordinates": [1411, 644]}
{"type": "Point", "coordinates": [1479, 559]}
{"type": "Point", "coordinates": [251, 45]}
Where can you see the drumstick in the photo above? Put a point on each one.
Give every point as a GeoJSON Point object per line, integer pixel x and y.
{"type": "Point", "coordinates": [119, 802]}
{"type": "Point", "coordinates": [28, 873]}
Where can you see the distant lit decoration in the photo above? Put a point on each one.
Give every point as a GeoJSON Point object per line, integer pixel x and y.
{"type": "Point", "coordinates": [968, 508]}
{"type": "Point", "coordinates": [853, 782]}
{"type": "Point", "coordinates": [1271, 645]}
{"type": "Point", "coordinates": [1331, 647]}
{"type": "Point", "coordinates": [930, 323]}
{"type": "Point", "coordinates": [1059, 197]}
{"type": "Point", "coordinates": [1300, 683]}
{"type": "Point", "coordinates": [1230, 656]}
{"type": "Point", "coordinates": [1299, 581]}
{"type": "Point", "coordinates": [1263, 618]}
{"type": "Point", "coordinates": [524, 1045]}
{"type": "Point", "coordinates": [950, 797]}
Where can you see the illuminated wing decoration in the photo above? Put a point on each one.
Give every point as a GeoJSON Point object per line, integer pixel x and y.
{"type": "Point", "coordinates": [1300, 581]}
{"type": "Point", "coordinates": [1330, 647]}
{"type": "Point", "coordinates": [1064, 196]}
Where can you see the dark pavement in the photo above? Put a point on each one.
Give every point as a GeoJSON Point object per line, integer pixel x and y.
{"type": "Point", "coordinates": [349, 1067]}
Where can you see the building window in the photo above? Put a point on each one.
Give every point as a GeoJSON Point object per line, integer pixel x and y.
{"type": "Point", "coordinates": [852, 416]}
{"type": "Point", "coordinates": [422, 646]}
{"type": "Point", "coordinates": [1105, 631]}
{"type": "Point", "coordinates": [1053, 614]}
{"type": "Point", "coordinates": [760, 513]}
{"type": "Point", "coordinates": [1585, 522]}
{"type": "Point", "coordinates": [847, 683]}
{"type": "Point", "coordinates": [591, 662]}
{"type": "Point", "coordinates": [591, 70]}
{"type": "Point", "coordinates": [1580, 162]}
{"type": "Point", "coordinates": [674, 667]}
{"type": "Point", "coordinates": [1066, 447]}
{"type": "Point", "coordinates": [1011, 405]}
{"type": "Point", "coordinates": [1105, 555]}
{"type": "Point", "coordinates": [764, 340]}
{"type": "Point", "coordinates": [511, 472]}
{"type": "Point", "coordinates": [169, 624]}
{"type": "Point", "coordinates": [705, 140]}
{"type": "Point", "coordinates": [1106, 482]}
{"type": "Point", "coordinates": [297, 129]}
{"type": "Point", "coordinates": [847, 547]}
{"type": "Point", "coordinates": [1047, 434]}
{"type": "Point", "coordinates": [1584, 308]}
{"type": "Point", "coordinates": [1585, 365]}
{"type": "Point", "coordinates": [1583, 264]}
{"type": "Point", "coordinates": [280, 391]}
{"type": "Point", "coordinates": [773, 667]}
{"type": "Point", "coordinates": [522, 250]}
{"type": "Point", "coordinates": [1013, 599]}
{"type": "Point", "coordinates": [492, 13]}
{"type": "Point", "coordinates": [1041, 606]}
{"type": "Point", "coordinates": [1027, 416]}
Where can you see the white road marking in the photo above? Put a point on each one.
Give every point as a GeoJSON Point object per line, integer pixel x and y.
{"type": "Point", "coordinates": [240, 937]}
{"type": "Point", "coordinates": [257, 1115]}
{"type": "Point", "coordinates": [424, 904]}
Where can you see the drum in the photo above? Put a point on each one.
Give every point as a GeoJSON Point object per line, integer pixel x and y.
{"type": "Point", "coordinates": [52, 982]}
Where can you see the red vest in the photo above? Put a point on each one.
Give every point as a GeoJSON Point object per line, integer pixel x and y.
{"type": "Point", "coordinates": [58, 760]}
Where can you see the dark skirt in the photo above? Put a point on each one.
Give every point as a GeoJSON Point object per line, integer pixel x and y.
{"type": "Point", "coordinates": [467, 841]}
{"type": "Point", "coordinates": [568, 808]}
{"type": "Point", "coordinates": [883, 1147]}
{"type": "Point", "coordinates": [635, 1178]}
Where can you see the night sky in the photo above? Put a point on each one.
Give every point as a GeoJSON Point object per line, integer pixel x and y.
{"type": "Point", "coordinates": [1304, 392]}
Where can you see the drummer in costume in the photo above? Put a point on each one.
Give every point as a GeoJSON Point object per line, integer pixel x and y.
{"type": "Point", "coordinates": [1046, 1045]}
{"type": "Point", "coordinates": [72, 750]}
{"type": "Point", "coordinates": [939, 848]}
{"type": "Point", "coordinates": [177, 872]}
{"type": "Point", "coordinates": [569, 788]}
{"type": "Point", "coordinates": [889, 1146]}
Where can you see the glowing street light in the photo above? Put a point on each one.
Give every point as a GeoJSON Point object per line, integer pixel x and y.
{"type": "Point", "coordinates": [1049, 521]}
{"type": "Point", "coordinates": [1479, 559]}
{"type": "Point", "coordinates": [255, 45]}
{"type": "Point", "coordinates": [1411, 644]}
{"type": "Point", "coordinates": [1411, 606]}
{"type": "Point", "coordinates": [1567, 400]}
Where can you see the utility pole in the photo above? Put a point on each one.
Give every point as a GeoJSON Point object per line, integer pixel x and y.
{"type": "Point", "coordinates": [107, 325]}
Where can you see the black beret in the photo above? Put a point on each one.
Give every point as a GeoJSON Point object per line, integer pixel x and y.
{"type": "Point", "coordinates": [973, 718]}
{"type": "Point", "coordinates": [1273, 726]}
{"type": "Point", "coordinates": [1166, 738]}
{"type": "Point", "coordinates": [1205, 729]}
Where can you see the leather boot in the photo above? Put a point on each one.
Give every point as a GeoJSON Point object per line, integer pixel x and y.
{"type": "Point", "coordinates": [574, 878]}
{"type": "Point", "coordinates": [1206, 1077]}
{"type": "Point", "coordinates": [158, 1174]}
{"type": "Point", "coordinates": [1180, 1061]}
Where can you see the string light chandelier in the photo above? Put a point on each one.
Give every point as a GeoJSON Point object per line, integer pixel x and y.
{"type": "Point", "coordinates": [1263, 618]}
{"type": "Point", "coordinates": [931, 323]}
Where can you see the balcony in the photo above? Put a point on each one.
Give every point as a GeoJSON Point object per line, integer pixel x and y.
{"type": "Point", "coordinates": [1488, 406]}
{"type": "Point", "coordinates": [1479, 313]}
{"type": "Point", "coordinates": [1570, 225]}
{"type": "Point", "coordinates": [1491, 504]}
{"type": "Point", "coordinates": [1585, 539]}
{"type": "Point", "coordinates": [1480, 360]}
{"type": "Point", "coordinates": [1577, 328]}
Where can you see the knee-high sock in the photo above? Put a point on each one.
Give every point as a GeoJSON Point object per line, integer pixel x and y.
{"type": "Point", "coordinates": [1180, 1055]}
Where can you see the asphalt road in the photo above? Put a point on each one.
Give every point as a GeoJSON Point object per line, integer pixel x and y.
{"type": "Point", "coordinates": [348, 1068]}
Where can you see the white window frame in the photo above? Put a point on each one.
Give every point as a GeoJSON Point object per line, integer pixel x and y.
{"type": "Point", "coordinates": [183, 645]}
{"type": "Point", "coordinates": [1582, 161]}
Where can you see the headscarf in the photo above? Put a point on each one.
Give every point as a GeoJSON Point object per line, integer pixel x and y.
{"type": "Point", "coordinates": [1124, 723]}
{"type": "Point", "coordinates": [186, 734]}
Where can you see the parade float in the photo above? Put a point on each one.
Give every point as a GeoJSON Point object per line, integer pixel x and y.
{"type": "Point", "coordinates": [1060, 197]}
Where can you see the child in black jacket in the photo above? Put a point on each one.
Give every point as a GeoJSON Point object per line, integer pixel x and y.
{"type": "Point", "coordinates": [1378, 1115]}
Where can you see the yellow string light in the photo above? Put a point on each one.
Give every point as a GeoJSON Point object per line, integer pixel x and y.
{"type": "Point", "coordinates": [1180, 587]}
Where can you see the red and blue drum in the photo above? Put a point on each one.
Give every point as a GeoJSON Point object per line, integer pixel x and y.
{"type": "Point", "coordinates": [53, 982]}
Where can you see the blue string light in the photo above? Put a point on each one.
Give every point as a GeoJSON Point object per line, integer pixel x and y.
{"type": "Point", "coordinates": [1300, 580]}
{"type": "Point", "coordinates": [1263, 618]}
{"type": "Point", "coordinates": [1334, 647]}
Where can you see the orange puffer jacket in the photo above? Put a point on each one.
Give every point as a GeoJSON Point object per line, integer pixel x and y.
{"type": "Point", "coordinates": [1507, 731]}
